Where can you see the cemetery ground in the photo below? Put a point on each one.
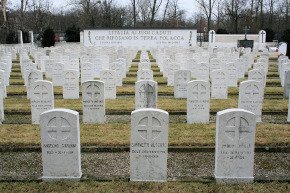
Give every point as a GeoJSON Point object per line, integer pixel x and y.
{"type": "Point", "coordinates": [105, 147]}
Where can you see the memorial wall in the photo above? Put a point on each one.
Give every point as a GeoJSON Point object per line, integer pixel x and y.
{"type": "Point", "coordinates": [148, 37]}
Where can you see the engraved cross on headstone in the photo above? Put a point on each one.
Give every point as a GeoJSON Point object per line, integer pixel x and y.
{"type": "Point", "coordinates": [69, 78]}
{"type": "Point", "coordinates": [232, 70]}
{"type": "Point", "coordinates": [145, 76]}
{"type": "Point", "coordinates": [108, 78]}
{"type": "Point", "coordinates": [149, 128]}
{"type": "Point", "coordinates": [41, 91]}
{"type": "Point", "coordinates": [58, 128]}
{"type": "Point", "coordinates": [220, 77]}
{"type": "Point", "coordinates": [93, 91]}
{"type": "Point", "coordinates": [252, 91]}
{"type": "Point", "coordinates": [237, 129]}
{"type": "Point", "coordinates": [33, 77]}
{"type": "Point", "coordinates": [258, 76]}
{"type": "Point", "coordinates": [199, 91]}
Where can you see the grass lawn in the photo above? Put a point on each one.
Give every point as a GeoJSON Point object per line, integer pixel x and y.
{"type": "Point", "coordinates": [128, 105]}
{"type": "Point", "coordinates": [120, 186]}
{"type": "Point", "coordinates": [118, 134]}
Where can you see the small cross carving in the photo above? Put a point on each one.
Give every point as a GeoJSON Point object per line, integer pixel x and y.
{"type": "Point", "coordinates": [252, 91]}
{"type": "Point", "coordinates": [40, 91]}
{"type": "Point", "coordinates": [93, 91]}
{"type": "Point", "coordinates": [238, 129]}
{"type": "Point", "coordinates": [220, 77]}
{"type": "Point", "coordinates": [69, 78]}
{"type": "Point", "coordinates": [33, 77]}
{"type": "Point", "coordinates": [199, 91]}
{"type": "Point", "coordinates": [58, 128]}
{"type": "Point", "coordinates": [149, 128]}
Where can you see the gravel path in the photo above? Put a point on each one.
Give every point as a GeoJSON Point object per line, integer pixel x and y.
{"type": "Point", "coordinates": [114, 166]}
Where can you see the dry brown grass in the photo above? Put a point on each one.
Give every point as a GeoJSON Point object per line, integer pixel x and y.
{"type": "Point", "coordinates": [118, 134]}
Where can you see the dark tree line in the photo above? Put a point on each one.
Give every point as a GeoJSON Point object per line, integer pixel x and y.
{"type": "Point", "coordinates": [225, 16]}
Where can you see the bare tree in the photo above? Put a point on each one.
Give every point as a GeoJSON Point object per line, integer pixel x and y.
{"type": "Point", "coordinates": [134, 4]}
{"type": "Point", "coordinates": [3, 9]}
{"type": "Point", "coordinates": [144, 12]}
{"type": "Point", "coordinates": [23, 7]}
{"type": "Point", "coordinates": [154, 7]}
{"type": "Point", "coordinates": [234, 10]}
{"type": "Point", "coordinates": [165, 10]}
{"type": "Point", "coordinates": [207, 7]}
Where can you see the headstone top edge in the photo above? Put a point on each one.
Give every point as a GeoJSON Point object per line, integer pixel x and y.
{"type": "Point", "coordinates": [42, 81]}
{"type": "Point", "coordinates": [60, 110]}
{"type": "Point", "coordinates": [234, 110]}
{"type": "Point", "coordinates": [97, 81]}
{"type": "Point", "coordinates": [140, 81]}
{"type": "Point", "coordinates": [198, 81]}
{"type": "Point", "coordinates": [150, 109]}
{"type": "Point", "coordinates": [250, 81]}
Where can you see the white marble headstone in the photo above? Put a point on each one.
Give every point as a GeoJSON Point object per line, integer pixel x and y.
{"type": "Point", "coordinates": [181, 79]}
{"type": "Point", "coordinates": [202, 71]}
{"type": "Point", "coordinates": [93, 102]}
{"type": "Point", "coordinates": [219, 86]}
{"type": "Point", "coordinates": [1, 106]}
{"type": "Point", "coordinates": [87, 72]}
{"type": "Point", "coordinates": [42, 99]}
{"type": "Point", "coordinates": [146, 94]}
{"type": "Point", "coordinates": [234, 149]}
{"type": "Point", "coordinates": [257, 75]}
{"type": "Point", "coordinates": [287, 84]}
{"type": "Point", "coordinates": [149, 145]}
{"type": "Point", "coordinates": [144, 66]}
{"type": "Point", "coordinates": [198, 101]}
{"type": "Point", "coordinates": [48, 68]}
{"type": "Point", "coordinates": [232, 74]}
{"type": "Point", "coordinates": [251, 97]}
{"type": "Point", "coordinates": [288, 118]}
{"type": "Point", "coordinates": [119, 72]}
{"type": "Point", "coordinates": [144, 75]}
{"type": "Point", "coordinates": [109, 79]}
{"type": "Point", "coordinates": [3, 89]}
{"type": "Point", "coordinates": [33, 76]}
{"type": "Point", "coordinates": [57, 69]}
{"type": "Point", "coordinates": [70, 84]}
{"type": "Point", "coordinates": [60, 142]}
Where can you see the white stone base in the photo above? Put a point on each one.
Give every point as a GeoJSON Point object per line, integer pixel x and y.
{"type": "Point", "coordinates": [234, 179]}
{"type": "Point", "coordinates": [64, 178]}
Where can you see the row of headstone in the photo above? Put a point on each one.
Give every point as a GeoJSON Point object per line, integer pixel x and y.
{"type": "Point", "coordinates": [197, 93]}
{"type": "Point", "coordinates": [234, 155]}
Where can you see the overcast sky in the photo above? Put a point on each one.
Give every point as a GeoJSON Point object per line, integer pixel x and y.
{"type": "Point", "coordinates": [187, 5]}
